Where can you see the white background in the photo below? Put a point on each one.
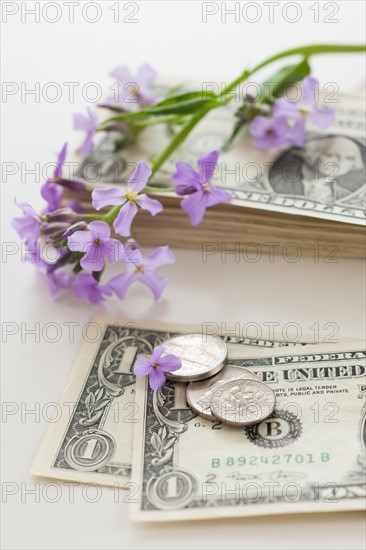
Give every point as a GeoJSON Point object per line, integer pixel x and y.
{"type": "Point", "coordinates": [171, 37]}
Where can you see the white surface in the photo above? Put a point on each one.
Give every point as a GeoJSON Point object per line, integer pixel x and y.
{"type": "Point", "coordinates": [170, 36]}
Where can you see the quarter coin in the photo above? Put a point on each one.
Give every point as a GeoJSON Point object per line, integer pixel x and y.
{"type": "Point", "coordinates": [199, 393]}
{"type": "Point", "coordinates": [202, 356]}
{"type": "Point", "coordinates": [243, 402]}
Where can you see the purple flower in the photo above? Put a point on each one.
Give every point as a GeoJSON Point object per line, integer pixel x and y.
{"type": "Point", "coordinates": [142, 269]}
{"type": "Point", "coordinates": [134, 91]}
{"type": "Point", "coordinates": [88, 124]}
{"type": "Point", "coordinates": [65, 214]}
{"type": "Point", "coordinates": [156, 366]}
{"type": "Point", "coordinates": [197, 185]}
{"type": "Point", "coordinates": [85, 286]}
{"type": "Point", "coordinates": [50, 191]}
{"type": "Point", "coordinates": [27, 226]}
{"type": "Point", "coordinates": [96, 243]}
{"type": "Point", "coordinates": [306, 107]}
{"type": "Point", "coordinates": [112, 196]}
{"type": "Point", "coordinates": [268, 132]}
{"type": "Point", "coordinates": [57, 280]}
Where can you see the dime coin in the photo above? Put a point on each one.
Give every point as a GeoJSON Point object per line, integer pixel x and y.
{"type": "Point", "coordinates": [243, 402]}
{"type": "Point", "coordinates": [201, 355]}
{"type": "Point", "coordinates": [199, 393]}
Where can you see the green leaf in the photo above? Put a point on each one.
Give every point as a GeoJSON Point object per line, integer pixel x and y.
{"type": "Point", "coordinates": [186, 96]}
{"type": "Point", "coordinates": [283, 78]}
{"type": "Point", "coordinates": [183, 106]}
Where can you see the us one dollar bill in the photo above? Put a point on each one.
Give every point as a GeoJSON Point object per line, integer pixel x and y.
{"type": "Point", "coordinates": [309, 456]}
{"type": "Point", "coordinates": [92, 439]}
{"type": "Point", "coordinates": [324, 179]}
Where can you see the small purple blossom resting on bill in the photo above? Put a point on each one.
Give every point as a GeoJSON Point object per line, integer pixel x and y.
{"type": "Point", "coordinates": [289, 118]}
{"type": "Point", "coordinates": [197, 185]}
{"type": "Point", "coordinates": [306, 107]}
{"type": "Point", "coordinates": [268, 132]}
{"type": "Point", "coordinates": [112, 196]}
{"type": "Point", "coordinates": [133, 92]}
{"type": "Point", "coordinates": [89, 125]}
{"type": "Point", "coordinates": [156, 366]}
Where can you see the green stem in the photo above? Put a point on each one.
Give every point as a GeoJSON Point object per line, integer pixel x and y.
{"type": "Point", "coordinates": [306, 51]}
{"type": "Point", "coordinates": [87, 217]}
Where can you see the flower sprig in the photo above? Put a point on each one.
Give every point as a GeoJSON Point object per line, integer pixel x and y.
{"type": "Point", "coordinates": [84, 241]}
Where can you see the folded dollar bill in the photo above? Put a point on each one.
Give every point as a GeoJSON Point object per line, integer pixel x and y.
{"type": "Point", "coordinates": [92, 440]}
{"type": "Point", "coordinates": [309, 456]}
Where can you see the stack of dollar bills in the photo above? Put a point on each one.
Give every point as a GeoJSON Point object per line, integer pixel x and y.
{"type": "Point", "coordinates": [293, 201]}
{"type": "Point", "coordinates": [308, 456]}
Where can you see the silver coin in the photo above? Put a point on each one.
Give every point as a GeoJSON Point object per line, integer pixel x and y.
{"type": "Point", "coordinates": [201, 355]}
{"type": "Point", "coordinates": [199, 393]}
{"type": "Point", "coordinates": [243, 402]}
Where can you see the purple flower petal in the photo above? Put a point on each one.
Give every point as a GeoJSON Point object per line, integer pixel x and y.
{"type": "Point", "coordinates": [207, 165]}
{"type": "Point", "coordinates": [155, 282]}
{"type": "Point", "coordinates": [87, 146]}
{"type": "Point", "coordinates": [146, 75]}
{"type": "Point", "coordinates": [309, 88]}
{"type": "Point", "coordinates": [296, 133]}
{"type": "Point", "coordinates": [114, 250]}
{"type": "Point", "coordinates": [139, 178]}
{"type": "Point", "coordinates": [142, 366]}
{"type": "Point", "coordinates": [132, 258]}
{"type": "Point", "coordinates": [121, 283]}
{"type": "Point", "coordinates": [161, 256]}
{"type": "Point", "coordinates": [157, 379]}
{"type": "Point", "coordinates": [151, 205]}
{"type": "Point", "coordinates": [122, 74]}
{"type": "Point", "coordinates": [89, 125]}
{"type": "Point", "coordinates": [259, 126]}
{"type": "Point", "coordinates": [195, 206]}
{"type": "Point", "coordinates": [85, 286]}
{"type": "Point", "coordinates": [93, 259]}
{"type": "Point", "coordinates": [58, 280]}
{"type": "Point", "coordinates": [111, 196]}
{"type": "Point", "coordinates": [60, 161]}
{"type": "Point", "coordinates": [79, 241]}
{"type": "Point", "coordinates": [322, 117]}
{"type": "Point", "coordinates": [217, 196]}
{"type": "Point", "coordinates": [28, 225]}
{"type": "Point", "coordinates": [157, 353]}
{"type": "Point", "coordinates": [186, 179]}
{"type": "Point", "coordinates": [170, 363]}
{"type": "Point", "coordinates": [122, 223]}
{"type": "Point", "coordinates": [269, 132]}
{"type": "Point", "coordinates": [99, 230]}
{"type": "Point", "coordinates": [52, 193]}
{"type": "Point", "coordinates": [284, 107]}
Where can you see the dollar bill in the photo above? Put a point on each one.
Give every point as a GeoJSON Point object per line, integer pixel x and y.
{"type": "Point", "coordinates": [325, 179]}
{"type": "Point", "coordinates": [92, 438]}
{"type": "Point", "coordinates": [309, 456]}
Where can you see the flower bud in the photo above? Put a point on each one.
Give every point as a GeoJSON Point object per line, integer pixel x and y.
{"type": "Point", "coordinates": [64, 215]}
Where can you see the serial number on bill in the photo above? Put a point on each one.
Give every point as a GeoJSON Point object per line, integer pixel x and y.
{"type": "Point", "coordinates": [278, 459]}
